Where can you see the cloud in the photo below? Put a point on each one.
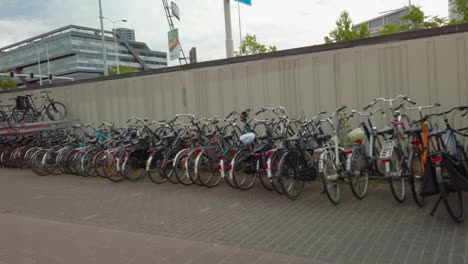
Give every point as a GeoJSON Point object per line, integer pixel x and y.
{"type": "Point", "coordinates": [286, 24]}
{"type": "Point", "coordinates": [28, 28]}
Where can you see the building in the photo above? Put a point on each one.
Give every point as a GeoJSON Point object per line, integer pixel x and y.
{"type": "Point", "coordinates": [452, 11]}
{"type": "Point", "coordinates": [75, 51]}
{"type": "Point", "coordinates": [377, 24]}
{"type": "Point", "coordinates": [126, 33]}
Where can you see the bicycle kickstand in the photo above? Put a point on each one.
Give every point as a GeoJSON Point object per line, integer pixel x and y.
{"type": "Point", "coordinates": [435, 206]}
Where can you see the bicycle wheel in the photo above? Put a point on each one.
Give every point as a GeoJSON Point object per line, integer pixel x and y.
{"type": "Point", "coordinates": [98, 162]}
{"type": "Point", "coordinates": [329, 177]}
{"type": "Point", "coordinates": [180, 168]}
{"type": "Point", "coordinates": [262, 174]}
{"type": "Point", "coordinates": [50, 162]}
{"type": "Point", "coordinates": [289, 177]}
{"type": "Point", "coordinates": [55, 111]}
{"type": "Point", "coordinates": [154, 170]}
{"type": "Point", "coordinates": [395, 178]}
{"type": "Point", "coordinates": [416, 178]}
{"type": "Point", "coordinates": [110, 168]}
{"type": "Point", "coordinates": [227, 167]}
{"type": "Point", "coordinates": [453, 200]}
{"type": "Point", "coordinates": [133, 165]}
{"type": "Point", "coordinates": [273, 167]}
{"type": "Point", "coordinates": [37, 163]}
{"type": "Point", "coordinates": [3, 118]}
{"type": "Point", "coordinates": [16, 119]}
{"type": "Point", "coordinates": [244, 170]}
{"type": "Point", "coordinates": [190, 165]}
{"type": "Point", "coordinates": [167, 167]}
{"type": "Point", "coordinates": [235, 131]}
{"type": "Point", "coordinates": [358, 175]}
{"type": "Point", "coordinates": [206, 167]}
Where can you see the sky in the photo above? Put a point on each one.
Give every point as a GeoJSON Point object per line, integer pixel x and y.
{"type": "Point", "coordinates": [285, 24]}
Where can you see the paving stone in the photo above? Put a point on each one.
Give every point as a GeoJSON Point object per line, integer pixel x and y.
{"type": "Point", "coordinates": [375, 229]}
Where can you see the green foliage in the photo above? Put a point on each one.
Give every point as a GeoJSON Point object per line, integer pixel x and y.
{"type": "Point", "coordinates": [7, 83]}
{"type": "Point", "coordinates": [414, 20]}
{"type": "Point", "coordinates": [250, 46]}
{"type": "Point", "coordinates": [390, 29]}
{"type": "Point", "coordinates": [461, 8]}
{"type": "Point", "coordinates": [112, 70]}
{"type": "Point", "coordinates": [345, 30]}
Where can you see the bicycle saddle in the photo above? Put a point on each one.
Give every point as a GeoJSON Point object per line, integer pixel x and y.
{"type": "Point", "coordinates": [413, 130]}
{"type": "Point", "coordinates": [324, 137]}
{"type": "Point", "coordinates": [385, 130]}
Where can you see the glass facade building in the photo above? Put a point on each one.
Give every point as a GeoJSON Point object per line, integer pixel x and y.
{"type": "Point", "coordinates": [77, 52]}
{"type": "Point", "coordinates": [377, 24]}
{"type": "Point", "coordinates": [126, 33]}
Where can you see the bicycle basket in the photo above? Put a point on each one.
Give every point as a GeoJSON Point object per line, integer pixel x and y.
{"type": "Point", "coordinates": [22, 103]}
{"type": "Point", "coordinates": [247, 138]}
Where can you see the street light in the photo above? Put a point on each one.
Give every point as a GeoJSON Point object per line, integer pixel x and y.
{"type": "Point", "coordinates": [115, 40]}
{"type": "Point", "coordinates": [103, 39]}
{"type": "Point", "coordinates": [39, 61]}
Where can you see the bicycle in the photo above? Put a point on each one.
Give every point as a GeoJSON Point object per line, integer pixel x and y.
{"type": "Point", "coordinates": [393, 156]}
{"type": "Point", "coordinates": [27, 111]}
{"type": "Point", "coordinates": [419, 150]}
{"type": "Point", "coordinates": [361, 159]}
{"type": "Point", "coordinates": [447, 168]}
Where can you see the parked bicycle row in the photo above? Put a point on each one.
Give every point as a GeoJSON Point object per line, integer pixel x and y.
{"type": "Point", "coordinates": [31, 108]}
{"type": "Point", "coordinates": [281, 152]}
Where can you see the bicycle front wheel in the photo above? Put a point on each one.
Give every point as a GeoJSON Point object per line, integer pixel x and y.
{"type": "Point", "coordinates": [288, 176]}
{"type": "Point", "coordinates": [395, 178]}
{"type": "Point", "coordinates": [358, 174]}
{"type": "Point", "coordinates": [329, 177]}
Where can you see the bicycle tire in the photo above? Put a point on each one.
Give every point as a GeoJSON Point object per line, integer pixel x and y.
{"type": "Point", "coordinates": [55, 111]}
{"type": "Point", "coordinates": [167, 167]}
{"type": "Point", "coordinates": [358, 174]}
{"type": "Point", "coordinates": [206, 168]}
{"type": "Point", "coordinates": [273, 165]}
{"type": "Point", "coordinates": [416, 178]}
{"type": "Point", "coordinates": [443, 179]}
{"type": "Point", "coordinates": [330, 184]}
{"type": "Point", "coordinates": [287, 170]}
{"type": "Point", "coordinates": [180, 168]}
{"type": "Point", "coordinates": [133, 168]}
{"type": "Point", "coordinates": [242, 160]}
{"type": "Point", "coordinates": [396, 180]}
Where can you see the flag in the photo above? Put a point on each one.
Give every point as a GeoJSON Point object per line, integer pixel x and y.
{"type": "Point", "coordinates": [247, 2]}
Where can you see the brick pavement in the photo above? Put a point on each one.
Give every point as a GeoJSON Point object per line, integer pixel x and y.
{"type": "Point", "coordinates": [374, 230]}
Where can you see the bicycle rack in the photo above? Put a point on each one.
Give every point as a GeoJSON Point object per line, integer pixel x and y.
{"type": "Point", "coordinates": [25, 129]}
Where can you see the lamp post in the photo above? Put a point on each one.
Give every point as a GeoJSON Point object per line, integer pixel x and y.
{"type": "Point", "coordinates": [103, 39]}
{"type": "Point", "coordinates": [38, 62]}
{"type": "Point", "coordinates": [115, 40]}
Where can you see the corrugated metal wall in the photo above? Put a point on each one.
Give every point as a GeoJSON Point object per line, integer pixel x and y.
{"type": "Point", "coordinates": [427, 69]}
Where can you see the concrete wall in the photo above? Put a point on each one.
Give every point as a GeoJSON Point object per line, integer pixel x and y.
{"type": "Point", "coordinates": [427, 69]}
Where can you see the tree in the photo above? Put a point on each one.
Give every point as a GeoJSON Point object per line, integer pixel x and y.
{"type": "Point", "coordinates": [250, 46]}
{"type": "Point", "coordinates": [112, 70]}
{"type": "Point", "coordinates": [7, 83]}
{"type": "Point", "coordinates": [414, 20]}
{"type": "Point", "coordinates": [345, 30]}
{"type": "Point", "coordinates": [461, 9]}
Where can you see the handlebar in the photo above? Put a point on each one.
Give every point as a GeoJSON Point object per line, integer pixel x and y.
{"type": "Point", "coordinates": [373, 102]}
{"type": "Point", "coordinates": [419, 108]}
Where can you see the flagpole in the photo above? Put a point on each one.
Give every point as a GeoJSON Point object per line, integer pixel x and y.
{"type": "Point", "coordinates": [240, 29]}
